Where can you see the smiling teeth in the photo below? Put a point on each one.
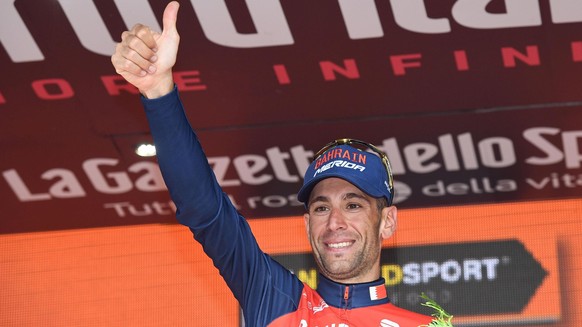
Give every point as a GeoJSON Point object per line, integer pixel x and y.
{"type": "Point", "coordinates": [339, 245]}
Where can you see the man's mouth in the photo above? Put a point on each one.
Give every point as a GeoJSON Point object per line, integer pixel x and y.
{"type": "Point", "coordinates": [340, 245]}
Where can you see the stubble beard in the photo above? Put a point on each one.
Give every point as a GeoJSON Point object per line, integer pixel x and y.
{"type": "Point", "coordinates": [341, 269]}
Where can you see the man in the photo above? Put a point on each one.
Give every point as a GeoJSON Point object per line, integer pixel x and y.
{"type": "Point", "coordinates": [347, 193]}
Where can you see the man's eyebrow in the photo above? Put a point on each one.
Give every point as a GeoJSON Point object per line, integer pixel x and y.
{"type": "Point", "coordinates": [319, 198]}
{"type": "Point", "coordinates": [351, 195]}
{"type": "Point", "coordinates": [347, 196]}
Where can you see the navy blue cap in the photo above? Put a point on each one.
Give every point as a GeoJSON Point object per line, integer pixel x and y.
{"type": "Point", "coordinates": [363, 169]}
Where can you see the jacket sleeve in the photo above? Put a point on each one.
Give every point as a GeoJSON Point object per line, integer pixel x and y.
{"type": "Point", "coordinates": [265, 289]}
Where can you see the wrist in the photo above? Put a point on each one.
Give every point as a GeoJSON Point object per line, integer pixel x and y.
{"type": "Point", "coordinates": [165, 86]}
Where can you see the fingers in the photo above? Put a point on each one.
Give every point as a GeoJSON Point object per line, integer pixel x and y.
{"type": "Point", "coordinates": [122, 64]}
{"type": "Point", "coordinates": [145, 36]}
{"type": "Point", "coordinates": [136, 52]}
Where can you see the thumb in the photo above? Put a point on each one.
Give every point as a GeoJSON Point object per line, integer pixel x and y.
{"type": "Point", "coordinates": [170, 17]}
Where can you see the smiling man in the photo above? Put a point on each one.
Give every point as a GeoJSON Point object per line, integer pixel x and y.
{"type": "Point", "coordinates": [342, 225]}
{"type": "Point", "coordinates": [347, 192]}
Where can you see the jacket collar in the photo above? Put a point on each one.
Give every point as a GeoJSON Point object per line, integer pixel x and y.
{"type": "Point", "coordinates": [350, 296]}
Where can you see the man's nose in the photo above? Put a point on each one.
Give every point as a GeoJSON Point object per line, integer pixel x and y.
{"type": "Point", "coordinates": [336, 220]}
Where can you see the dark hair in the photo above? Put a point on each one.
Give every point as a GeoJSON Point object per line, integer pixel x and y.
{"type": "Point", "coordinates": [381, 203]}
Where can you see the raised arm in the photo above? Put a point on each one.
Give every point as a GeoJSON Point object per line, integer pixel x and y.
{"type": "Point", "coordinates": [145, 59]}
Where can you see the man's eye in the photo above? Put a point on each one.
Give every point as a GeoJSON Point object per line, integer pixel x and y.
{"type": "Point", "coordinates": [319, 209]}
{"type": "Point", "coordinates": [353, 206]}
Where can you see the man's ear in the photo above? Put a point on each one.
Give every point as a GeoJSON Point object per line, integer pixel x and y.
{"type": "Point", "coordinates": [389, 222]}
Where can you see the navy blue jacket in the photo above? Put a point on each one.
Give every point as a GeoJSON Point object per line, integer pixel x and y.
{"type": "Point", "coordinates": [269, 294]}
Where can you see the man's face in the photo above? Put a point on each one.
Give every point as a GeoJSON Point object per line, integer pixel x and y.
{"type": "Point", "coordinates": [346, 230]}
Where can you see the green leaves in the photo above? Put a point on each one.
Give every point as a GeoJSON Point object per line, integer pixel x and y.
{"type": "Point", "coordinates": [441, 317]}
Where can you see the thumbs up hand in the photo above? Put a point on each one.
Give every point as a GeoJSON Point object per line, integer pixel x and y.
{"type": "Point", "coordinates": [145, 58]}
